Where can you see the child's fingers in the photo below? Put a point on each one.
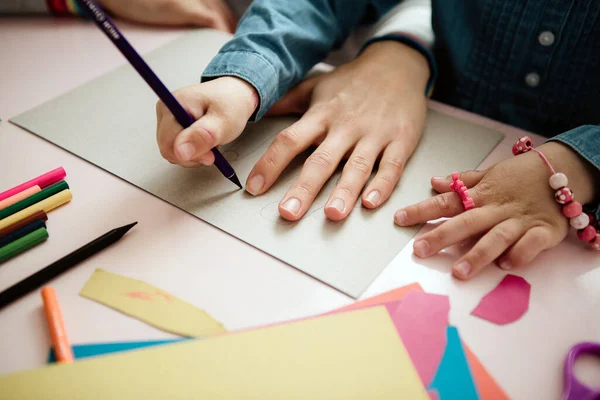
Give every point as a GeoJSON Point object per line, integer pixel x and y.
{"type": "Point", "coordinates": [470, 179]}
{"type": "Point", "coordinates": [193, 143]}
{"type": "Point", "coordinates": [390, 169]}
{"type": "Point", "coordinates": [528, 247]}
{"type": "Point", "coordinates": [317, 169]}
{"type": "Point", "coordinates": [285, 147]}
{"type": "Point", "coordinates": [456, 230]}
{"type": "Point", "coordinates": [354, 177]}
{"type": "Point", "coordinates": [488, 248]}
{"type": "Point", "coordinates": [443, 205]}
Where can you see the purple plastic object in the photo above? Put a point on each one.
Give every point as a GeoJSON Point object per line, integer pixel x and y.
{"type": "Point", "coordinates": [573, 389]}
{"type": "Point", "coordinates": [185, 120]}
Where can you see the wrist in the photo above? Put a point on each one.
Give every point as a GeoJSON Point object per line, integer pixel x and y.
{"type": "Point", "coordinates": [582, 176]}
{"type": "Point", "coordinates": [248, 95]}
{"type": "Point", "coordinates": [391, 56]}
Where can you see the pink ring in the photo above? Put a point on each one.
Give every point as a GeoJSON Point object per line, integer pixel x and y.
{"type": "Point", "coordinates": [459, 187]}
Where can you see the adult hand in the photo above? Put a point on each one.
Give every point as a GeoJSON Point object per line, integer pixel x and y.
{"type": "Point", "coordinates": [515, 210]}
{"type": "Point", "coordinates": [373, 106]}
{"type": "Point", "coordinates": [203, 13]}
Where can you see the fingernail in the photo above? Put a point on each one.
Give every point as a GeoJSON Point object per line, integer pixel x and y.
{"type": "Point", "coordinates": [400, 217]}
{"type": "Point", "coordinates": [421, 248]}
{"type": "Point", "coordinates": [338, 204]}
{"type": "Point", "coordinates": [373, 198]}
{"type": "Point", "coordinates": [187, 151]}
{"type": "Point", "coordinates": [292, 206]}
{"type": "Point", "coordinates": [463, 268]}
{"type": "Point", "coordinates": [255, 184]}
{"type": "Point", "coordinates": [439, 178]}
{"type": "Point", "coordinates": [505, 265]}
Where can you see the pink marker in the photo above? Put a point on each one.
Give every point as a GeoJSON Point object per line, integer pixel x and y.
{"type": "Point", "coordinates": [42, 181]}
{"type": "Point", "coordinates": [19, 196]}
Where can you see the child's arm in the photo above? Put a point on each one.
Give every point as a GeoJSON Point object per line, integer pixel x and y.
{"type": "Point", "coordinates": [277, 42]}
{"type": "Point", "coordinates": [515, 209]}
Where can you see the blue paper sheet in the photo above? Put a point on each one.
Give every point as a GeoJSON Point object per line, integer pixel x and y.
{"type": "Point", "coordinates": [96, 349]}
{"type": "Point", "coordinates": [453, 380]}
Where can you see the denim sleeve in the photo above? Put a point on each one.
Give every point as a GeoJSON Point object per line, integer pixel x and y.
{"type": "Point", "coordinates": [278, 41]}
{"type": "Point", "coordinates": [585, 140]}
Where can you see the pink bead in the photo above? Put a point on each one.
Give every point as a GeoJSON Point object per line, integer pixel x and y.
{"type": "Point", "coordinates": [596, 242]}
{"type": "Point", "coordinates": [455, 176]}
{"type": "Point", "coordinates": [587, 234]}
{"type": "Point", "coordinates": [572, 209]}
{"type": "Point", "coordinates": [523, 145]}
{"type": "Point", "coordinates": [564, 196]}
{"type": "Point", "coordinates": [469, 204]}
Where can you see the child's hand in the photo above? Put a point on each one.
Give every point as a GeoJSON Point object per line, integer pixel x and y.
{"type": "Point", "coordinates": [515, 210]}
{"type": "Point", "coordinates": [367, 108]}
{"type": "Point", "coordinates": [221, 107]}
{"type": "Point", "coordinates": [204, 13]}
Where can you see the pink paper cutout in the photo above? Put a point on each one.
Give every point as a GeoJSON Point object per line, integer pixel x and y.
{"type": "Point", "coordinates": [147, 296]}
{"type": "Point", "coordinates": [506, 303]}
{"type": "Point", "coordinates": [433, 394]}
{"type": "Point", "coordinates": [421, 320]}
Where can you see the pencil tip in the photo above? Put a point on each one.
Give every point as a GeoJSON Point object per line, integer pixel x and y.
{"type": "Point", "coordinates": [126, 228]}
{"type": "Point", "coordinates": [236, 180]}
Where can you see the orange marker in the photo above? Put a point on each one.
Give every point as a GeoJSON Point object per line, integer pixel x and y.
{"type": "Point", "coordinates": [56, 326]}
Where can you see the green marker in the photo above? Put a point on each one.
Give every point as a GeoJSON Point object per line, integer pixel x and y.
{"type": "Point", "coordinates": [34, 198]}
{"type": "Point", "coordinates": [22, 244]}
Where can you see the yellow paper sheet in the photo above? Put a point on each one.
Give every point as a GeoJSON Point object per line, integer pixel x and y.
{"type": "Point", "coordinates": [149, 304]}
{"type": "Point", "coordinates": [353, 355]}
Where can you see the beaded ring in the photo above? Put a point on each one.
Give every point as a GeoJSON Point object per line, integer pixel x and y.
{"type": "Point", "coordinates": [586, 225]}
{"type": "Point", "coordinates": [459, 187]}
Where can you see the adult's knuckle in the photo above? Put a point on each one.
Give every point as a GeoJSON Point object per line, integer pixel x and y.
{"type": "Point", "coordinates": [347, 190]}
{"type": "Point", "coordinates": [288, 138]}
{"type": "Point", "coordinates": [394, 163]}
{"type": "Point", "coordinates": [442, 203]}
{"type": "Point", "coordinates": [303, 187]}
{"type": "Point", "coordinates": [321, 159]}
{"type": "Point", "coordinates": [360, 163]}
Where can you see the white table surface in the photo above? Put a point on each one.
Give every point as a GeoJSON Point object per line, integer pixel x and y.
{"type": "Point", "coordinates": [237, 284]}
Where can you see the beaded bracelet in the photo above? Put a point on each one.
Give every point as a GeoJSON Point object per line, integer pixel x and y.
{"type": "Point", "coordinates": [459, 187]}
{"type": "Point", "coordinates": [586, 224]}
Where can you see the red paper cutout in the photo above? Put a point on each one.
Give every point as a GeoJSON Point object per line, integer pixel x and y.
{"type": "Point", "coordinates": [506, 303]}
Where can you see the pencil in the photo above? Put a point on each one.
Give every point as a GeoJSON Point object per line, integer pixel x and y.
{"type": "Point", "coordinates": [56, 326]}
{"type": "Point", "coordinates": [36, 198]}
{"type": "Point", "coordinates": [45, 205]}
{"type": "Point", "coordinates": [19, 233]}
{"type": "Point", "coordinates": [15, 198]}
{"type": "Point", "coordinates": [45, 275]}
{"type": "Point", "coordinates": [185, 120]}
{"type": "Point", "coordinates": [24, 243]}
{"type": "Point", "coordinates": [38, 216]}
{"type": "Point", "coordinates": [42, 181]}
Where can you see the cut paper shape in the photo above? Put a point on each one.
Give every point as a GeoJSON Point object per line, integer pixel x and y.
{"type": "Point", "coordinates": [149, 304]}
{"type": "Point", "coordinates": [506, 303]}
{"type": "Point", "coordinates": [332, 357]}
{"type": "Point", "coordinates": [453, 379]}
{"type": "Point", "coordinates": [421, 320]}
{"type": "Point", "coordinates": [433, 395]}
{"type": "Point", "coordinates": [119, 137]}
{"type": "Point", "coordinates": [487, 386]}
{"type": "Point", "coordinates": [96, 349]}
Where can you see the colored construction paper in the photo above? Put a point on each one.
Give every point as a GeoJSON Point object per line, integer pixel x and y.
{"type": "Point", "coordinates": [95, 349]}
{"type": "Point", "coordinates": [506, 303]}
{"type": "Point", "coordinates": [421, 320]}
{"type": "Point", "coordinates": [332, 357]}
{"type": "Point", "coordinates": [453, 379]}
{"type": "Point", "coordinates": [487, 386]}
{"type": "Point", "coordinates": [149, 304]}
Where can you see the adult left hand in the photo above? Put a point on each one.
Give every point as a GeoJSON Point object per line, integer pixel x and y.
{"type": "Point", "coordinates": [372, 106]}
{"type": "Point", "coordinates": [203, 13]}
{"type": "Point", "coordinates": [515, 211]}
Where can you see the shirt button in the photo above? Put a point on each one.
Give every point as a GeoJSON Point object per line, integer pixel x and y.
{"type": "Point", "coordinates": [546, 38]}
{"type": "Point", "coordinates": [532, 79]}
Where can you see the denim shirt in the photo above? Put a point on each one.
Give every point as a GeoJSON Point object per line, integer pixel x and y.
{"type": "Point", "coordinates": [533, 64]}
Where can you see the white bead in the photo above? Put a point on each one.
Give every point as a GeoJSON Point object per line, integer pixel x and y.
{"type": "Point", "coordinates": [558, 181]}
{"type": "Point", "coordinates": [580, 221]}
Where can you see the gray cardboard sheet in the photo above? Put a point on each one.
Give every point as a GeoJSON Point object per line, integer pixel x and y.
{"type": "Point", "coordinates": [111, 123]}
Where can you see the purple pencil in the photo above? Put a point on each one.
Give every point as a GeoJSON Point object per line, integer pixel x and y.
{"type": "Point", "coordinates": [137, 62]}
